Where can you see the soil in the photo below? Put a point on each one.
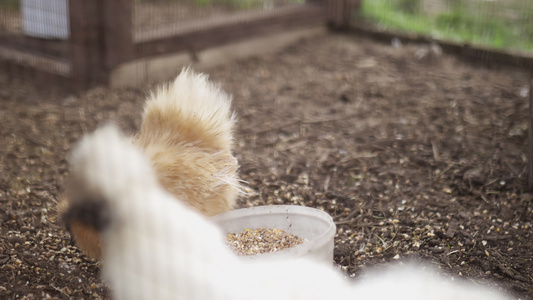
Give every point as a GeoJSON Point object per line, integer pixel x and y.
{"type": "Point", "coordinates": [415, 154]}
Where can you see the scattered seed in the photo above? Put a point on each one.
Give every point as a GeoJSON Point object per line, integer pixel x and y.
{"type": "Point", "coordinates": [261, 240]}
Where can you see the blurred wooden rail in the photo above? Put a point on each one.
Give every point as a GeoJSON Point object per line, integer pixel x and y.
{"type": "Point", "coordinates": [530, 141]}
{"type": "Point", "coordinates": [202, 34]}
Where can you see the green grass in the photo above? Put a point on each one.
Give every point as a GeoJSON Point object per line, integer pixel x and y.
{"type": "Point", "coordinates": [462, 23]}
{"type": "Point", "coordinates": [10, 5]}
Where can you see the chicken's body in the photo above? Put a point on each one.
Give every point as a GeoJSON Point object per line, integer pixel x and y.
{"type": "Point", "coordinates": [162, 249]}
{"type": "Point", "coordinates": [187, 134]}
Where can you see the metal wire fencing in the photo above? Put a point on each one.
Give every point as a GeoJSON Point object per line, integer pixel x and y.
{"type": "Point", "coordinates": [85, 41]}
{"type": "Point", "coordinates": [494, 24]}
{"type": "Point", "coordinates": [34, 36]}
{"type": "Point", "coordinates": [153, 15]}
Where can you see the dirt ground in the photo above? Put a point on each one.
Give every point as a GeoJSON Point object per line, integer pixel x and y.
{"type": "Point", "coordinates": [416, 156]}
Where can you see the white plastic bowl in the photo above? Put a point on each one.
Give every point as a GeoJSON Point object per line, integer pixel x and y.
{"type": "Point", "coordinates": [311, 224]}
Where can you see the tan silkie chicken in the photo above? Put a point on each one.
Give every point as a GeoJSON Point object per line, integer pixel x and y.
{"type": "Point", "coordinates": [187, 134]}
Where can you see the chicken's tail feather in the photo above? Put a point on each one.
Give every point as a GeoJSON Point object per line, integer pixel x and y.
{"type": "Point", "coordinates": [189, 110]}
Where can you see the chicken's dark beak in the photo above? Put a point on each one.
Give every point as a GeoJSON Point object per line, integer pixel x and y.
{"type": "Point", "coordinates": [92, 213]}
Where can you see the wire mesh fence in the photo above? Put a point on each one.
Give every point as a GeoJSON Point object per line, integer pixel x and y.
{"type": "Point", "coordinates": [88, 40]}
{"type": "Point", "coordinates": [10, 18]}
{"type": "Point", "coordinates": [153, 15]}
{"type": "Point", "coordinates": [34, 37]}
{"type": "Point", "coordinates": [493, 24]}
{"type": "Point", "coordinates": [36, 26]}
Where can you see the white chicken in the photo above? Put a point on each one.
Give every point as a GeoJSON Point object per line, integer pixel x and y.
{"type": "Point", "coordinates": [163, 249]}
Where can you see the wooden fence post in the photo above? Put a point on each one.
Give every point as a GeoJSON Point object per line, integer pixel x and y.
{"type": "Point", "coordinates": [530, 135]}
{"type": "Point", "coordinates": [340, 12]}
{"type": "Point", "coordinates": [117, 32]}
{"type": "Point", "coordinates": [85, 44]}
{"type": "Point", "coordinates": [101, 37]}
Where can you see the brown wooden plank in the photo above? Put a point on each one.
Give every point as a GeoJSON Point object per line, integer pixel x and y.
{"type": "Point", "coordinates": [335, 12]}
{"type": "Point", "coordinates": [37, 61]}
{"type": "Point", "coordinates": [86, 53]}
{"type": "Point", "coordinates": [55, 48]}
{"type": "Point", "coordinates": [340, 12]}
{"type": "Point", "coordinates": [356, 5]}
{"type": "Point", "coordinates": [215, 32]}
{"type": "Point", "coordinates": [530, 135]}
{"type": "Point", "coordinates": [117, 31]}
{"type": "Point", "coordinates": [43, 79]}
